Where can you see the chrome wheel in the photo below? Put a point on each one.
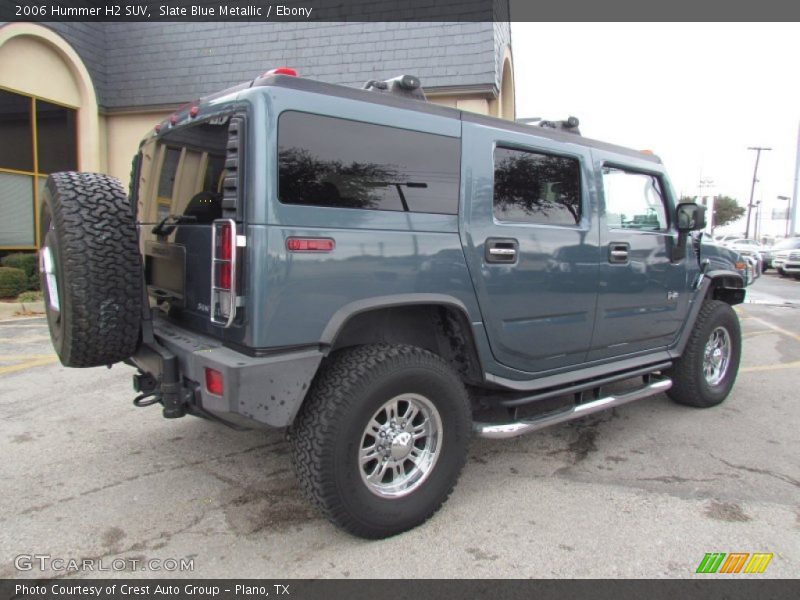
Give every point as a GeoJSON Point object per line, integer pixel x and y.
{"type": "Point", "coordinates": [47, 265]}
{"type": "Point", "coordinates": [400, 446]}
{"type": "Point", "coordinates": [717, 356]}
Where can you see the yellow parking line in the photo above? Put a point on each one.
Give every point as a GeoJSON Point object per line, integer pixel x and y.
{"type": "Point", "coordinates": [750, 334]}
{"type": "Point", "coordinates": [791, 365]}
{"type": "Point", "coordinates": [785, 332]}
{"type": "Point", "coordinates": [36, 362]}
{"type": "Point", "coordinates": [5, 357]}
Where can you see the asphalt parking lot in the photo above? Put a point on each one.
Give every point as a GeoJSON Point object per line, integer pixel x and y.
{"type": "Point", "coordinates": [641, 491]}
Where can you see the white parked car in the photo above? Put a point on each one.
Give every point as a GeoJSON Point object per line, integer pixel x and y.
{"type": "Point", "coordinates": [782, 253]}
{"type": "Point", "coordinates": [748, 249]}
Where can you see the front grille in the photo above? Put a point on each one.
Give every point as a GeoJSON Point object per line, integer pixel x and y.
{"type": "Point", "coordinates": [794, 255]}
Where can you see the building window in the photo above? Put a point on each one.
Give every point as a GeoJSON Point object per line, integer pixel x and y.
{"type": "Point", "coordinates": [325, 161]}
{"type": "Point", "coordinates": [38, 138]}
{"type": "Point", "coordinates": [532, 187]}
{"type": "Point", "coordinates": [633, 200]}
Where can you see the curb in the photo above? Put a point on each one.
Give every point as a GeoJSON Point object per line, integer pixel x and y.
{"type": "Point", "coordinates": [13, 310]}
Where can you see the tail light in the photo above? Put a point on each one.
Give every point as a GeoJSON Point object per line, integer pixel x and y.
{"type": "Point", "coordinates": [224, 244]}
{"type": "Point", "coordinates": [215, 383]}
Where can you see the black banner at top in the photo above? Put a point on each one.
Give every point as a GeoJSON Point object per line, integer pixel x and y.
{"type": "Point", "coordinates": [396, 10]}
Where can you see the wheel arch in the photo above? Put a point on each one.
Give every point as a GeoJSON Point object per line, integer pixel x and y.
{"type": "Point", "coordinates": [435, 322]}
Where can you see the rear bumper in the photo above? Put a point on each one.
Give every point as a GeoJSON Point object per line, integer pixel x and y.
{"type": "Point", "coordinates": [266, 390]}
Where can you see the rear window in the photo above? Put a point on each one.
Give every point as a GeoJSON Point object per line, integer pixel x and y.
{"type": "Point", "coordinates": [325, 161]}
{"type": "Point", "coordinates": [190, 167]}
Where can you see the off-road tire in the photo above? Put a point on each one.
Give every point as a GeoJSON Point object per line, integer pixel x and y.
{"type": "Point", "coordinates": [88, 225]}
{"type": "Point", "coordinates": [689, 386]}
{"type": "Point", "coordinates": [326, 436]}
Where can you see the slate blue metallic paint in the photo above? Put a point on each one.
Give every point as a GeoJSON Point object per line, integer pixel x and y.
{"type": "Point", "coordinates": [559, 308]}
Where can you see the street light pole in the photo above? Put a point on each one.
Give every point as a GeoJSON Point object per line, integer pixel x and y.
{"type": "Point", "coordinates": [758, 150]}
{"type": "Point", "coordinates": [788, 213]}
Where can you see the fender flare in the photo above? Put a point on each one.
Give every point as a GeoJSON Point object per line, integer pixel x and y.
{"type": "Point", "coordinates": [340, 318]}
{"type": "Point", "coordinates": [720, 284]}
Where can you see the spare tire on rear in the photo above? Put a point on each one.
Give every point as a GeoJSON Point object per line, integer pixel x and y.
{"type": "Point", "coordinates": [90, 269]}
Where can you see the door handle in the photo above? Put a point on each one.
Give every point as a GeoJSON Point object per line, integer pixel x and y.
{"type": "Point", "coordinates": [618, 253]}
{"type": "Point", "coordinates": [501, 250]}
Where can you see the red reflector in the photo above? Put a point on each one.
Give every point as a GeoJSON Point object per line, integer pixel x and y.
{"type": "Point", "coordinates": [309, 244]}
{"type": "Point", "coordinates": [214, 382]}
{"type": "Point", "coordinates": [282, 71]}
{"type": "Point", "coordinates": [193, 111]}
{"type": "Point", "coordinates": [173, 119]}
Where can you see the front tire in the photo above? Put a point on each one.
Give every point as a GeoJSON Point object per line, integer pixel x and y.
{"type": "Point", "coordinates": [381, 439]}
{"type": "Point", "coordinates": [706, 371]}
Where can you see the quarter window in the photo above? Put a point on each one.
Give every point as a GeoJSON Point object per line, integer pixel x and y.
{"type": "Point", "coordinates": [633, 200]}
{"type": "Point", "coordinates": [325, 161]}
{"type": "Point", "coordinates": [532, 187]}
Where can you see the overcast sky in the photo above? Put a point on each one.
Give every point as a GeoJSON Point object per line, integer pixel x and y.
{"type": "Point", "coordinates": [696, 94]}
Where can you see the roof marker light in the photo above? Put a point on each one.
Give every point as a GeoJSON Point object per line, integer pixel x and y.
{"type": "Point", "coordinates": [193, 111]}
{"type": "Point", "coordinates": [281, 71]}
{"type": "Point", "coordinates": [173, 119]}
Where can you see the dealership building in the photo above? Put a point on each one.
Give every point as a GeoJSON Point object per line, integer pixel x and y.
{"type": "Point", "coordinates": [80, 96]}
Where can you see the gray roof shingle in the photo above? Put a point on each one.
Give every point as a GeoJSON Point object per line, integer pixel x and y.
{"type": "Point", "coordinates": [135, 65]}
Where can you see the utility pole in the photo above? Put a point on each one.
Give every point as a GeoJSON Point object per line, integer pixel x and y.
{"type": "Point", "coordinates": [758, 150]}
{"type": "Point", "coordinates": [793, 210]}
{"type": "Point", "coordinates": [788, 210]}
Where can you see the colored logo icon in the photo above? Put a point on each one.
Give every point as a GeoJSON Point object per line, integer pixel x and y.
{"type": "Point", "coordinates": [735, 562]}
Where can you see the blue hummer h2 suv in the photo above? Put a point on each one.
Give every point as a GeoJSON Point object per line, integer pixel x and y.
{"type": "Point", "coordinates": [384, 278]}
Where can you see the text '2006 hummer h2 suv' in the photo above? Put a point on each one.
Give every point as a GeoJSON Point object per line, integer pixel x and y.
{"type": "Point", "coordinates": [373, 272]}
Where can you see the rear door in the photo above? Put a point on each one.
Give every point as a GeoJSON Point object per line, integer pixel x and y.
{"type": "Point", "coordinates": [644, 294]}
{"type": "Point", "coordinates": [531, 239]}
{"type": "Point", "coordinates": [180, 193]}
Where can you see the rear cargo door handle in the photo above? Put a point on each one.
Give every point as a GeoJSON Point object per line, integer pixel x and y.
{"type": "Point", "coordinates": [501, 250]}
{"type": "Point", "coordinates": [618, 253]}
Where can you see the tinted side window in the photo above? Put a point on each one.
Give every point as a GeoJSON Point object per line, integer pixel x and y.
{"type": "Point", "coordinates": [324, 161]}
{"type": "Point", "coordinates": [633, 200]}
{"type": "Point", "coordinates": [531, 187]}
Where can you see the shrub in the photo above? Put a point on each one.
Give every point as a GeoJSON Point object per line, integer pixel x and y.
{"type": "Point", "coordinates": [12, 282]}
{"type": "Point", "coordinates": [30, 296]}
{"type": "Point", "coordinates": [27, 261]}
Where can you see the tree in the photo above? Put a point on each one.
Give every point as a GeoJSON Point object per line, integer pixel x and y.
{"type": "Point", "coordinates": [726, 209]}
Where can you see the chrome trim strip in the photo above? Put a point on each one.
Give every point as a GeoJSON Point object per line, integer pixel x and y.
{"type": "Point", "coordinates": [502, 431]}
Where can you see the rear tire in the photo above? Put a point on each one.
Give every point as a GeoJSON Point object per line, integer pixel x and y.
{"type": "Point", "coordinates": [90, 268]}
{"type": "Point", "coordinates": [349, 457]}
{"type": "Point", "coordinates": [706, 371]}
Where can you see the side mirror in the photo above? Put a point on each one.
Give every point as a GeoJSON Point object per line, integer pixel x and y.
{"type": "Point", "coordinates": [691, 217]}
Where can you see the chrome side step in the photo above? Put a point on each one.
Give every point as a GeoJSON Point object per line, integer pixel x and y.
{"type": "Point", "coordinates": [499, 431]}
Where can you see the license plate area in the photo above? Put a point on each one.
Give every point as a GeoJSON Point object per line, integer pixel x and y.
{"type": "Point", "coordinates": [165, 271]}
